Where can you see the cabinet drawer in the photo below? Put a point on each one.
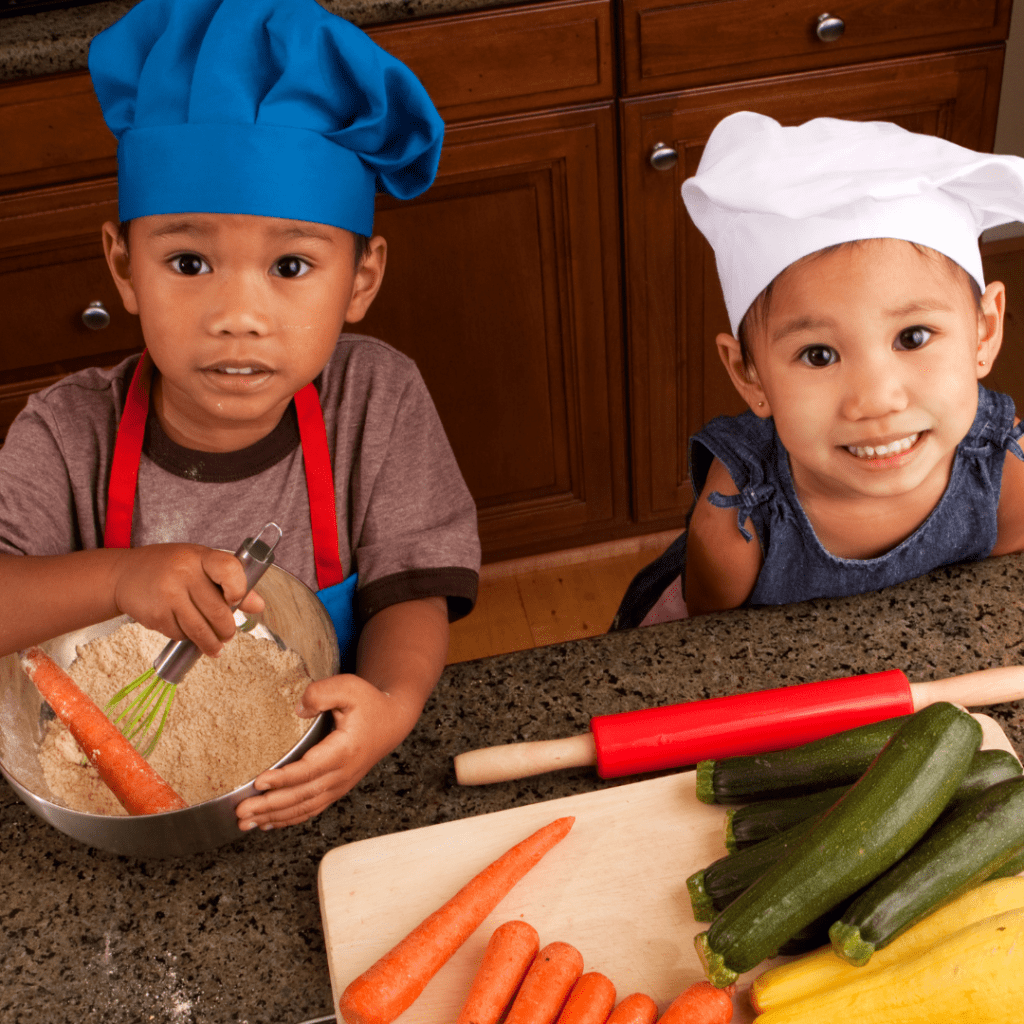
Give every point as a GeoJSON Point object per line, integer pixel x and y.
{"type": "Point", "coordinates": [509, 60]}
{"type": "Point", "coordinates": [51, 269]}
{"type": "Point", "coordinates": [670, 44]}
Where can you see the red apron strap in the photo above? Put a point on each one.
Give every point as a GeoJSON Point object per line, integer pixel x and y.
{"type": "Point", "coordinates": [320, 487]}
{"type": "Point", "coordinates": [124, 467]}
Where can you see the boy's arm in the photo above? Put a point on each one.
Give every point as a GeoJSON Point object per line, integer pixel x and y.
{"type": "Point", "coordinates": [401, 655]}
{"type": "Point", "coordinates": [181, 590]}
{"type": "Point", "coordinates": [721, 566]}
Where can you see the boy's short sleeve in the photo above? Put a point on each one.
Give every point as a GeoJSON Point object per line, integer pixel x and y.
{"type": "Point", "coordinates": [412, 520]}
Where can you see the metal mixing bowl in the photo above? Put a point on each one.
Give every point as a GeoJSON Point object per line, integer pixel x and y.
{"type": "Point", "coordinates": [293, 616]}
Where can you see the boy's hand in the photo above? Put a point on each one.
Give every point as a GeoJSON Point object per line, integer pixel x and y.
{"type": "Point", "coordinates": [368, 724]}
{"type": "Point", "coordinates": [184, 591]}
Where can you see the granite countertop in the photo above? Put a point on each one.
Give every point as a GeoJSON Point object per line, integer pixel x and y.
{"type": "Point", "coordinates": [55, 41]}
{"type": "Point", "coordinates": [235, 935]}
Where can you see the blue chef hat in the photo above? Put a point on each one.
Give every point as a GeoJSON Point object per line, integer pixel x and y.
{"type": "Point", "coordinates": [268, 107]}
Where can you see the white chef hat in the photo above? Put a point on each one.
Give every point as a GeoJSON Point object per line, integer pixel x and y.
{"type": "Point", "coordinates": [765, 196]}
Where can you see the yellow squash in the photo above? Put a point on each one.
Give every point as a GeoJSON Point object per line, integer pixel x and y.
{"type": "Point", "coordinates": [823, 969]}
{"type": "Point", "coordinates": [974, 976]}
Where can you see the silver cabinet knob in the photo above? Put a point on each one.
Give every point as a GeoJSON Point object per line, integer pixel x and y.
{"type": "Point", "coordinates": [663, 158]}
{"type": "Point", "coordinates": [95, 316]}
{"type": "Point", "coordinates": [829, 28]}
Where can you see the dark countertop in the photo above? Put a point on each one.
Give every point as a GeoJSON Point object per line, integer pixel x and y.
{"type": "Point", "coordinates": [55, 41]}
{"type": "Point", "coordinates": [235, 935]}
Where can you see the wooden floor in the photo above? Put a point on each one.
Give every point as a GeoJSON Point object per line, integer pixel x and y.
{"type": "Point", "coordinates": [565, 595]}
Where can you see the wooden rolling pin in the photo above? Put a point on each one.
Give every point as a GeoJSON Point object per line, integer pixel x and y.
{"type": "Point", "coordinates": [138, 788]}
{"type": "Point", "coordinates": [745, 723]}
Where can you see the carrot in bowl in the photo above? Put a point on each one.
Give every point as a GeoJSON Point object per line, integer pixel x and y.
{"type": "Point", "coordinates": [547, 985]}
{"type": "Point", "coordinates": [390, 986]}
{"type": "Point", "coordinates": [127, 774]}
{"type": "Point", "coordinates": [638, 1008]}
{"type": "Point", "coordinates": [590, 1001]}
{"type": "Point", "coordinates": [509, 953]}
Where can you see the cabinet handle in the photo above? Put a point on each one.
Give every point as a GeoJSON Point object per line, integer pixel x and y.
{"type": "Point", "coordinates": [829, 28]}
{"type": "Point", "coordinates": [95, 316]}
{"type": "Point", "coordinates": [663, 158]}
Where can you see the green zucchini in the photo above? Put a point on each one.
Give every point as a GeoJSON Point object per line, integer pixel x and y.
{"type": "Point", "coordinates": [958, 853]}
{"type": "Point", "coordinates": [863, 834]}
{"type": "Point", "coordinates": [750, 824]}
{"type": "Point", "coordinates": [837, 760]}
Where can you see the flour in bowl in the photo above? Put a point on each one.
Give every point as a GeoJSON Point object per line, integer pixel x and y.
{"type": "Point", "coordinates": [232, 717]}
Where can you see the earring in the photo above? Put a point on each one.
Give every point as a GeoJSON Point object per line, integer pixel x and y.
{"type": "Point", "coordinates": [760, 405]}
{"type": "Point", "coordinates": [981, 362]}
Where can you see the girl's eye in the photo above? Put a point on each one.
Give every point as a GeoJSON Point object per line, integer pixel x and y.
{"type": "Point", "coordinates": [819, 355]}
{"type": "Point", "coordinates": [190, 264]}
{"type": "Point", "coordinates": [911, 338]}
{"type": "Point", "coordinates": [290, 266]}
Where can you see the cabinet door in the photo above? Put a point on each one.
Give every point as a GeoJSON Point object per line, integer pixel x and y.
{"type": "Point", "coordinates": [503, 284]}
{"type": "Point", "coordinates": [674, 303]}
{"type": "Point", "coordinates": [51, 270]}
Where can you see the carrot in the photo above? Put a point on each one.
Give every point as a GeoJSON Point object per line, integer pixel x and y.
{"type": "Point", "coordinates": [635, 1009]}
{"type": "Point", "coordinates": [701, 1003]}
{"type": "Point", "coordinates": [507, 958]}
{"type": "Point", "coordinates": [590, 1001]}
{"type": "Point", "coordinates": [547, 985]}
{"type": "Point", "coordinates": [127, 774]}
{"type": "Point", "coordinates": [389, 987]}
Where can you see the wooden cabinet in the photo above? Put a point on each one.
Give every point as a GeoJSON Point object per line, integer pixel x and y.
{"type": "Point", "coordinates": [560, 306]}
{"type": "Point", "coordinates": [675, 307]}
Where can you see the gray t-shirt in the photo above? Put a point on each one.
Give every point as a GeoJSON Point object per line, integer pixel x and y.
{"type": "Point", "coordinates": [406, 521]}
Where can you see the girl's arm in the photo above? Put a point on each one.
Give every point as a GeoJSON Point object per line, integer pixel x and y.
{"type": "Point", "coordinates": [721, 566]}
{"type": "Point", "coordinates": [1010, 514]}
{"type": "Point", "coordinates": [401, 655]}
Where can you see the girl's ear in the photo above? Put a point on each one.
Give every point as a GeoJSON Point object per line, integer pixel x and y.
{"type": "Point", "coordinates": [743, 377]}
{"type": "Point", "coordinates": [990, 326]}
{"type": "Point", "coordinates": [120, 266]}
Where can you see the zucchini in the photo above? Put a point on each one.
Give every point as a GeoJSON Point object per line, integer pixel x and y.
{"type": "Point", "coordinates": [837, 760]}
{"type": "Point", "coordinates": [875, 823]}
{"type": "Point", "coordinates": [765, 818]}
{"type": "Point", "coordinates": [959, 853]}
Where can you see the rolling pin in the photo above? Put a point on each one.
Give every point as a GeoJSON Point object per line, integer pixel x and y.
{"type": "Point", "coordinates": [744, 723]}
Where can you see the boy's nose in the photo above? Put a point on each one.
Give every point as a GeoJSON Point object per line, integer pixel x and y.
{"type": "Point", "coordinates": [239, 307]}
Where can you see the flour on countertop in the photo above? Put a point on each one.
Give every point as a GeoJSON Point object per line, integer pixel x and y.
{"type": "Point", "coordinates": [232, 717]}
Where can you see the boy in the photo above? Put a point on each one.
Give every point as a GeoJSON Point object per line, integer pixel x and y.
{"type": "Point", "coordinates": [861, 326]}
{"type": "Point", "coordinates": [252, 138]}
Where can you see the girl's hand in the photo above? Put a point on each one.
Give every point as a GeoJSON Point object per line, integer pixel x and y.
{"type": "Point", "coordinates": [184, 591]}
{"type": "Point", "coordinates": [368, 724]}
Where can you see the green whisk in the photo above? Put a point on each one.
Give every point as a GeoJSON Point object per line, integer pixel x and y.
{"type": "Point", "coordinates": [149, 698]}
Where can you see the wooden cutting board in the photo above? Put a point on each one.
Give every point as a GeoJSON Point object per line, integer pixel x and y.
{"type": "Point", "coordinates": [615, 888]}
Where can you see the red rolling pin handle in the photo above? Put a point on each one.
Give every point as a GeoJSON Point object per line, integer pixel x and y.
{"type": "Point", "coordinates": [744, 723]}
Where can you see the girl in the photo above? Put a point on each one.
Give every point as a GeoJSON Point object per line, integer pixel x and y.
{"type": "Point", "coordinates": [861, 326]}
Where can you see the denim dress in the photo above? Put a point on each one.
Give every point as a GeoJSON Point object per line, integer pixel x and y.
{"type": "Point", "coordinates": [961, 527]}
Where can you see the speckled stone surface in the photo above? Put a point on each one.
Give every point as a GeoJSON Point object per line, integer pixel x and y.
{"type": "Point", "coordinates": [235, 935]}
{"type": "Point", "coordinates": [54, 41]}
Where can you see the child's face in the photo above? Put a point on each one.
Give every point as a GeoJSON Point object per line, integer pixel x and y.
{"type": "Point", "coordinates": [868, 359]}
{"type": "Point", "coordinates": [238, 313]}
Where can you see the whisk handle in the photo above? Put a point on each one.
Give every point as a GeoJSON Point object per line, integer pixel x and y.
{"type": "Point", "coordinates": [256, 555]}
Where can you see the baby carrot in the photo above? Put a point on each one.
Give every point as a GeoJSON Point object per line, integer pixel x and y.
{"type": "Point", "coordinates": [635, 1009]}
{"type": "Point", "coordinates": [507, 958]}
{"type": "Point", "coordinates": [701, 1003]}
{"type": "Point", "coordinates": [389, 987]}
{"type": "Point", "coordinates": [547, 985]}
{"type": "Point", "coordinates": [127, 774]}
{"type": "Point", "coordinates": [590, 1001]}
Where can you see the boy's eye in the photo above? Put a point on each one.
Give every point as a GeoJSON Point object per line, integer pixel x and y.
{"type": "Point", "coordinates": [819, 355]}
{"type": "Point", "coordinates": [190, 264]}
{"type": "Point", "coordinates": [911, 338]}
{"type": "Point", "coordinates": [290, 266]}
